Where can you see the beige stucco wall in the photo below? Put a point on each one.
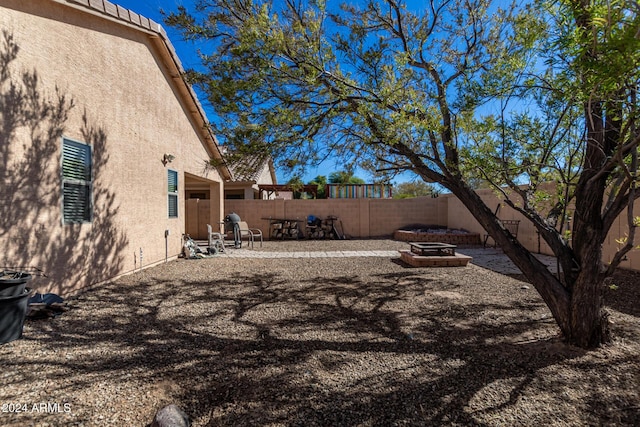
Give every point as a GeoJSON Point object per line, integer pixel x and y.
{"type": "Point", "coordinates": [126, 106]}
{"type": "Point", "coordinates": [361, 218]}
{"type": "Point", "coordinates": [460, 217]}
{"type": "Point", "coordinates": [265, 178]}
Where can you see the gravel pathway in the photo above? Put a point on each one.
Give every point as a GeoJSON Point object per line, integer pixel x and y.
{"type": "Point", "coordinates": [318, 341]}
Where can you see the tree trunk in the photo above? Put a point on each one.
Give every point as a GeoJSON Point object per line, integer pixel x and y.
{"type": "Point", "coordinates": [578, 308]}
{"type": "Point", "coordinates": [589, 320]}
{"type": "Point", "coordinates": [553, 293]}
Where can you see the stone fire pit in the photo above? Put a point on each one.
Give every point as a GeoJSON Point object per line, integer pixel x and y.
{"type": "Point", "coordinates": [422, 254]}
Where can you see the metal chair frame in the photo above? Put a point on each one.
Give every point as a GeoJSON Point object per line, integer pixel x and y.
{"type": "Point", "coordinates": [511, 225]}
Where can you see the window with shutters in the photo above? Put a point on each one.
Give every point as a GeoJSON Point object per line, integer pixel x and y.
{"type": "Point", "coordinates": [76, 182]}
{"type": "Point", "coordinates": [172, 180]}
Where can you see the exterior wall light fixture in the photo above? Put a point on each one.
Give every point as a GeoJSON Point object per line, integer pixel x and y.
{"type": "Point", "coordinates": [167, 158]}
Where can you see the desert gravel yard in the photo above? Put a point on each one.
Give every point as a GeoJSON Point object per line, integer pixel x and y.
{"type": "Point", "coordinates": [350, 341]}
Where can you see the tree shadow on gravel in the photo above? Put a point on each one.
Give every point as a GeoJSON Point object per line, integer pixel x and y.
{"type": "Point", "coordinates": [624, 292]}
{"type": "Point", "coordinates": [262, 349]}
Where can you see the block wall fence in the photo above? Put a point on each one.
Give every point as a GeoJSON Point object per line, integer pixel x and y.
{"type": "Point", "coordinates": [361, 218]}
{"type": "Point", "coordinates": [460, 217]}
{"type": "Point", "coordinates": [371, 218]}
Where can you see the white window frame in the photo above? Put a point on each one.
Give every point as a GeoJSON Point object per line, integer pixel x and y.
{"type": "Point", "coordinates": [172, 193]}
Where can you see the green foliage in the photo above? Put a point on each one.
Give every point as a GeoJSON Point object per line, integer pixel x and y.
{"type": "Point", "coordinates": [301, 82]}
{"type": "Point", "coordinates": [407, 190]}
{"type": "Point", "coordinates": [296, 185]}
{"type": "Point", "coordinates": [321, 182]}
{"type": "Point", "coordinates": [343, 177]}
{"type": "Point", "coordinates": [462, 93]}
{"type": "Point", "coordinates": [600, 43]}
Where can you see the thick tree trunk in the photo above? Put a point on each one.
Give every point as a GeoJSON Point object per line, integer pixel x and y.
{"type": "Point", "coordinates": [554, 294]}
{"type": "Point", "coordinates": [576, 302]}
{"type": "Point", "coordinates": [577, 308]}
{"type": "Point", "coordinates": [589, 322]}
{"type": "Point", "coordinates": [589, 325]}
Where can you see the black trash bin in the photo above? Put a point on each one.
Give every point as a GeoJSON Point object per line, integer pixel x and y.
{"type": "Point", "coordinates": [12, 283]}
{"type": "Point", "coordinates": [13, 310]}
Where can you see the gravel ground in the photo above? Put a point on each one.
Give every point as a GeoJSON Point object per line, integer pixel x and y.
{"type": "Point", "coordinates": [319, 342]}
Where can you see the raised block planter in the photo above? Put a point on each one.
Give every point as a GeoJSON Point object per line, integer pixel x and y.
{"type": "Point", "coordinates": [451, 238]}
{"type": "Point", "coordinates": [415, 260]}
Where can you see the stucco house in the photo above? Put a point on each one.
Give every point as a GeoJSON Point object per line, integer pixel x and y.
{"type": "Point", "coordinates": [248, 174]}
{"type": "Point", "coordinates": [101, 142]}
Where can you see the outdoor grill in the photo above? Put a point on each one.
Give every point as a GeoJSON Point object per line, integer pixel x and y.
{"type": "Point", "coordinates": [231, 222]}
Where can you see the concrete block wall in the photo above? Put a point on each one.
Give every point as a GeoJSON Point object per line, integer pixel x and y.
{"type": "Point", "coordinates": [256, 213]}
{"type": "Point", "coordinates": [361, 218]}
{"type": "Point", "coordinates": [388, 215]}
{"type": "Point", "coordinates": [619, 230]}
{"type": "Point", "coordinates": [460, 217]}
{"type": "Point", "coordinates": [348, 210]}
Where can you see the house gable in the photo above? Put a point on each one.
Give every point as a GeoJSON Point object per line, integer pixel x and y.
{"type": "Point", "coordinates": [167, 57]}
{"type": "Point", "coordinates": [84, 74]}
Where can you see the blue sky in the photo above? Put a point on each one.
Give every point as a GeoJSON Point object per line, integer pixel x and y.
{"type": "Point", "coordinates": [187, 53]}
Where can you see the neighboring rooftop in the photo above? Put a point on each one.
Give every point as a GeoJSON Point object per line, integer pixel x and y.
{"type": "Point", "coordinates": [249, 167]}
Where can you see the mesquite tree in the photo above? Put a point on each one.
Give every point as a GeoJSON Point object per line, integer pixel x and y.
{"type": "Point", "coordinates": [454, 91]}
